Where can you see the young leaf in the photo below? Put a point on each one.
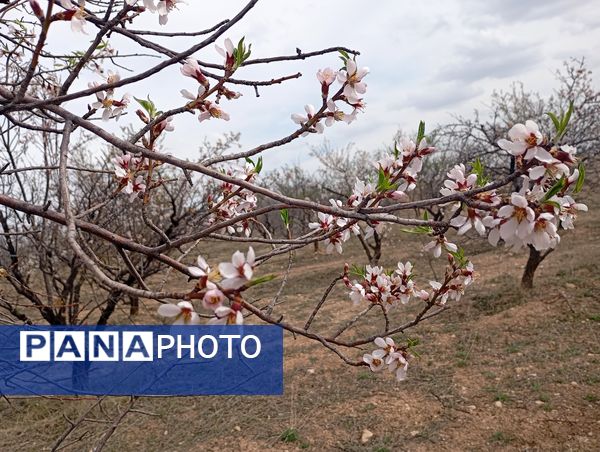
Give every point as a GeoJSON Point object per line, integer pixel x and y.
{"type": "Point", "coordinates": [382, 180]}
{"type": "Point", "coordinates": [552, 203]}
{"type": "Point", "coordinates": [567, 117]}
{"type": "Point", "coordinates": [147, 105]}
{"type": "Point", "coordinates": [411, 344]}
{"type": "Point", "coordinates": [420, 133]}
{"type": "Point", "coordinates": [555, 121]}
{"type": "Point", "coordinates": [358, 271]}
{"type": "Point", "coordinates": [580, 179]}
{"type": "Point", "coordinates": [259, 165]}
{"type": "Point", "coordinates": [558, 186]}
{"type": "Point", "coordinates": [477, 168]}
{"type": "Point", "coordinates": [285, 217]}
{"type": "Point", "coordinates": [459, 256]}
{"type": "Point", "coordinates": [261, 280]}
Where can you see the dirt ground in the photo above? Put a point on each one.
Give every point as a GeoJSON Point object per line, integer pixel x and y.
{"type": "Point", "coordinates": [503, 369]}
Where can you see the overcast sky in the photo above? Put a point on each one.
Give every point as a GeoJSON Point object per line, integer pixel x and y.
{"type": "Point", "coordinates": [428, 60]}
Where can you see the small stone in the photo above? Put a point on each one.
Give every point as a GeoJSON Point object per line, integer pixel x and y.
{"type": "Point", "coordinates": [498, 403]}
{"type": "Point", "coordinates": [471, 407]}
{"type": "Point", "coordinates": [539, 402]}
{"type": "Point", "coordinates": [366, 436]}
{"type": "Point", "coordinates": [310, 371]}
{"type": "Point", "coordinates": [570, 285]}
{"type": "Point", "coordinates": [237, 428]}
{"type": "Point", "coordinates": [574, 383]}
{"type": "Point", "coordinates": [414, 433]}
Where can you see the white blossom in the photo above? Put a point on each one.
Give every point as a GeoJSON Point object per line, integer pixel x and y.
{"type": "Point", "coordinates": [182, 313]}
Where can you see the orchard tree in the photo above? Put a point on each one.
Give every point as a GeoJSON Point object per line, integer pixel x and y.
{"type": "Point", "coordinates": [72, 210]}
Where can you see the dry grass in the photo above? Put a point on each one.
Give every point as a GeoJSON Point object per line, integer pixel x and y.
{"type": "Point", "coordinates": [503, 369]}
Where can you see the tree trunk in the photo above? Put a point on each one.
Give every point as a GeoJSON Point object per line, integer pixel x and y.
{"type": "Point", "coordinates": [134, 305]}
{"type": "Point", "coordinates": [534, 260]}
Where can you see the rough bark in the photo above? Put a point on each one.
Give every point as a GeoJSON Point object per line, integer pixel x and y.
{"type": "Point", "coordinates": [533, 262]}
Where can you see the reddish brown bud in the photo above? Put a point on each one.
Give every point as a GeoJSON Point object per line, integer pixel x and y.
{"type": "Point", "coordinates": [142, 116]}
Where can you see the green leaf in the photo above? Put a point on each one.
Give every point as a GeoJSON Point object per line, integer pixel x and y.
{"type": "Point", "coordinates": [555, 121]}
{"type": "Point", "coordinates": [148, 105]}
{"type": "Point", "coordinates": [552, 203]}
{"type": "Point", "coordinates": [558, 186]}
{"type": "Point", "coordinates": [240, 53]}
{"type": "Point", "coordinates": [285, 217]}
{"type": "Point", "coordinates": [478, 168]}
{"type": "Point", "coordinates": [425, 215]}
{"type": "Point", "coordinates": [561, 124]}
{"type": "Point", "coordinates": [259, 165]}
{"type": "Point", "coordinates": [383, 182]}
{"type": "Point", "coordinates": [459, 256]}
{"type": "Point", "coordinates": [261, 280]}
{"type": "Point", "coordinates": [420, 133]}
{"type": "Point", "coordinates": [411, 344]}
{"type": "Point", "coordinates": [566, 118]}
{"type": "Point", "coordinates": [580, 179]}
{"type": "Point", "coordinates": [396, 150]}
{"type": "Point", "coordinates": [345, 54]}
{"type": "Point", "coordinates": [249, 160]}
{"type": "Point", "coordinates": [358, 271]}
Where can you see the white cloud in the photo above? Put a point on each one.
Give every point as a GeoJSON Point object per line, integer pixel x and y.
{"type": "Point", "coordinates": [427, 60]}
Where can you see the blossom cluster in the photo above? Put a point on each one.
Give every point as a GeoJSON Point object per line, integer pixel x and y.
{"type": "Point", "coordinates": [397, 176]}
{"type": "Point", "coordinates": [389, 288]}
{"type": "Point", "coordinates": [385, 288]}
{"type": "Point", "coordinates": [351, 94]}
{"type": "Point", "coordinates": [336, 230]}
{"type": "Point", "coordinates": [105, 101]}
{"type": "Point", "coordinates": [230, 200]}
{"type": "Point", "coordinates": [75, 12]}
{"type": "Point", "coordinates": [198, 101]}
{"type": "Point", "coordinates": [388, 356]}
{"type": "Point", "coordinates": [127, 171]}
{"type": "Point", "coordinates": [531, 215]}
{"type": "Point", "coordinates": [219, 291]}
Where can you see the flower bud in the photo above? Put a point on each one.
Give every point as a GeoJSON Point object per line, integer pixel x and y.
{"type": "Point", "coordinates": [399, 195]}
{"type": "Point", "coordinates": [142, 116]}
